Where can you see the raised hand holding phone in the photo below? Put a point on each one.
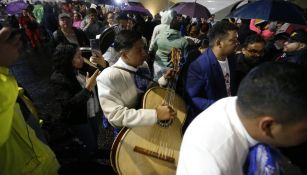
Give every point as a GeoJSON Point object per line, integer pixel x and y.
{"type": "Point", "coordinates": [97, 57]}
{"type": "Point", "coordinates": [95, 47]}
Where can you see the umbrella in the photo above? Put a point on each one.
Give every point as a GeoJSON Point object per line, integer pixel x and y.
{"type": "Point", "coordinates": [192, 9]}
{"type": "Point", "coordinates": [106, 39]}
{"type": "Point", "coordinates": [16, 7]}
{"type": "Point", "coordinates": [238, 4]}
{"type": "Point", "coordinates": [272, 10]}
{"type": "Point", "coordinates": [136, 9]}
{"type": "Point", "coordinates": [107, 2]}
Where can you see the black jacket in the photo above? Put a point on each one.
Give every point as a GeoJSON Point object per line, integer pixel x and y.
{"type": "Point", "coordinates": [71, 98]}
{"type": "Point", "coordinates": [59, 37]}
{"type": "Point", "coordinates": [298, 57]}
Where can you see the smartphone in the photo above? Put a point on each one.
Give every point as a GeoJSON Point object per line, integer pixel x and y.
{"type": "Point", "coordinates": [95, 47]}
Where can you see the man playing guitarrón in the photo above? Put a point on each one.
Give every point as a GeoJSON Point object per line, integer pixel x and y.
{"type": "Point", "coordinates": [119, 89]}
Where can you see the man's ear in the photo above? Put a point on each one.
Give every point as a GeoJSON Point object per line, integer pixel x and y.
{"type": "Point", "coordinates": [265, 125]}
{"type": "Point", "coordinates": [123, 54]}
{"type": "Point", "coordinates": [218, 43]}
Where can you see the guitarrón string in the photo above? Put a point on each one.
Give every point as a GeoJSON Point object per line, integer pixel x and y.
{"type": "Point", "coordinates": [163, 147]}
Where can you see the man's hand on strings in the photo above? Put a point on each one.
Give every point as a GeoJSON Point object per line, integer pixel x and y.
{"type": "Point", "coordinates": [165, 112]}
{"type": "Point", "coordinates": [170, 73]}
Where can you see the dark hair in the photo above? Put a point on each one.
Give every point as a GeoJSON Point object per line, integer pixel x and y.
{"type": "Point", "coordinates": [125, 39]}
{"type": "Point", "coordinates": [63, 56]}
{"type": "Point", "coordinates": [274, 89]}
{"type": "Point", "coordinates": [220, 30]}
{"type": "Point", "coordinates": [204, 43]}
{"type": "Point", "coordinates": [251, 39]}
{"type": "Point", "coordinates": [175, 24]}
{"type": "Point", "coordinates": [204, 27]}
{"type": "Point", "coordinates": [91, 11]}
{"type": "Point", "coordinates": [193, 25]}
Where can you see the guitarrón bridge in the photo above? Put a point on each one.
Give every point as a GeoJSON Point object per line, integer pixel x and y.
{"type": "Point", "coordinates": [153, 154]}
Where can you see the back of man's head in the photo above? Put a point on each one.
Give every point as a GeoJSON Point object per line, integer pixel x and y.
{"type": "Point", "coordinates": [278, 90]}
{"type": "Point", "coordinates": [175, 24]}
{"type": "Point", "coordinates": [219, 31]}
{"type": "Point", "coordinates": [125, 39]}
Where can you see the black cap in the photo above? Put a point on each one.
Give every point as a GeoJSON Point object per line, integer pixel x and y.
{"type": "Point", "coordinates": [122, 16]}
{"type": "Point", "coordinates": [299, 36]}
{"type": "Point", "coordinates": [281, 36]}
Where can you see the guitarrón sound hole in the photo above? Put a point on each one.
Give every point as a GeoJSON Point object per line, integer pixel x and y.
{"type": "Point", "coordinates": [165, 123]}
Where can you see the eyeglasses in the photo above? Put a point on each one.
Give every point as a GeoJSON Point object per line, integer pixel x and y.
{"type": "Point", "coordinates": [254, 51]}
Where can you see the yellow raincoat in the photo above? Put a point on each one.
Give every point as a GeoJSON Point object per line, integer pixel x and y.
{"type": "Point", "coordinates": [21, 152]}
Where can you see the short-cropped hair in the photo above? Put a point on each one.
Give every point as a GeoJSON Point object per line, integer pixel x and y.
{"type": "Point", "coordinates": [251, 39]}
{"type": "Point", "coordinates": [278, 90]}
{"type": "Point", "coordinates": [220, 30]}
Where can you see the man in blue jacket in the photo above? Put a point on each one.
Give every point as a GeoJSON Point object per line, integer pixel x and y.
{"type": "Point", "coordinates": [211, 76]}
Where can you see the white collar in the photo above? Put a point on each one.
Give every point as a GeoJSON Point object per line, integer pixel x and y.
{"type": "Point", "coordinates": [121, 63]}
{"type": "Point", "coordinates": [223, 62]}
{"type": "Point", "coordinates": [236, 122]}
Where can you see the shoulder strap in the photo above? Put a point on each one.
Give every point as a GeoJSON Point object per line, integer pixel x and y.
{"type": "Point", "coordinates": [130, 71]}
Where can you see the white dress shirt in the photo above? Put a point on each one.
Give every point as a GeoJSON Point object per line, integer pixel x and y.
{"type": "Point", "coordinates": [118, 97]}
{"type": "Point", "coordinates": [216, 142]}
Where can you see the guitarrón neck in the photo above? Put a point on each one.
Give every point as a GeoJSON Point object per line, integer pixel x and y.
{"type": "Point", "coordinates": [153, 154]}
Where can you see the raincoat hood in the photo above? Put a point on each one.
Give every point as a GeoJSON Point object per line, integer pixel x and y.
{"type": "Point", "coordinates": [166, 17]}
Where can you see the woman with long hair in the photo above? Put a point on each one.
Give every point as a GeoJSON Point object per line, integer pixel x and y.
{"type": "Point", "coordinates": [76, 95]}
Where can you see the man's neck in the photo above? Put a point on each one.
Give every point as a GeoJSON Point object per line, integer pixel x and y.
{"type": "Point", "coordinates": [219, 56]}
{"type": "Point", "coordinates": [129, 64]}
{"type": "Point", "coordinates": [248, 124]}
{"type": "Point", "coordinates": [67, 30]}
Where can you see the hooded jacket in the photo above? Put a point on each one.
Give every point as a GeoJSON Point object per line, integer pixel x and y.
{"type": "Point", "coordinates": [164, 43]}
{"type": "Point", "coordinates": [166, 18]}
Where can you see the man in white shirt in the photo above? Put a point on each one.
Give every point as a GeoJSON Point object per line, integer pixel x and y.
{"type": "Point", "coordinates": [270, 109]}
{"type": "Point", "coordinates": [117, 89]}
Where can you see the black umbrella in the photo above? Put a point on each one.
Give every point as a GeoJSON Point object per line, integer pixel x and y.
{"type": "Point", "coordinates": [192, 9]}
{"type": "Point", "coordinates": [106, 39]}
{"type": "Point", "coordinates": [271, 10]}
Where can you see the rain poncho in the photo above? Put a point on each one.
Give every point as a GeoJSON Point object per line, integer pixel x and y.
{"type": "Point", "coordinates": [20, 149]}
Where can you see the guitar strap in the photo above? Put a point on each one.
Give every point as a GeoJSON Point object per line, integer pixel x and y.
{"type": "Point", "coordinates": [143, 76]}
{"type": "Point", "coordinates": [117, 130]}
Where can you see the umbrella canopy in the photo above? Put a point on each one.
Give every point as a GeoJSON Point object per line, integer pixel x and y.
{"type": "Point", "coordinates": [107, 2]}
{"type": "Point", "coordinates": [136, 9]}
{"type": "Point", "coordinates": [107, 38]}
{"type": "Point", "coordinates": [272, 10]}
{"type": "Point", "coordinates": [192, 9]}
{"type": "Point", "coordinates": [16, 7]}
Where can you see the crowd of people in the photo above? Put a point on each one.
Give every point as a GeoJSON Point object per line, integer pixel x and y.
{"type": "Point", "coordinates": [243, 84]}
